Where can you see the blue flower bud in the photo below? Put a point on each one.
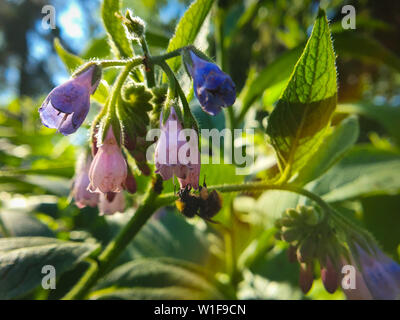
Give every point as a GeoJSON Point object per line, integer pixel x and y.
{"type": "Point", "coordinates": [213, 88]}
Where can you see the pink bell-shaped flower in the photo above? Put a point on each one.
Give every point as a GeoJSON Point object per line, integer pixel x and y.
{"type": "Point", "coordinates": [81, 195]}
{"type": "Point", "coordinates": [108, 171]}
{"type": "Point", "coordinates": [167, 149]}
{"type": "Point", "coordinates": [110, 204]}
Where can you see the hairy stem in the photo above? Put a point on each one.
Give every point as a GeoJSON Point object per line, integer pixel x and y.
{"type": "Point", "coordinates": [149, 64]}
{"type": "Point", "coordinates": [259, 186]}
{"type": "Point", "coordinates": [151, 203]}
{"type": "Point", "coordinates": [117, 63]}
{"type": "Point", "coordinates": [113, 250]}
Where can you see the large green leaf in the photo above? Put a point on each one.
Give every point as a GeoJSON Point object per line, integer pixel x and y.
{"type": "Point", "coordinates": [298, 123]}
{"type": "Point", "coordinates": [157, 279]}
{"type": "Point", "coordinates": [10, 244]}
{"type": "Point", "coordinates": [22, 224]}
{"type": "Point", "coordinates": [72, 62]}
{"type": "Point", "coordinates": [387, 116]}
{"type": "Point", "coordinates": [336, 143]}
{"type": "Point", "coordinates": [357, 45]}
{"type": "Point", "coordinates": [22, 260]}
{"type": "Point", "coordinates": [277, 71]}
{"type": "Point", "coordinates": [115, 29]}
{"type": "Point", "coordinates": [159, 238]}
{"type": "Point", "coordinates": [188, 28]}
{"type": "Point", "coordinates": [365, 170]}
{"type": "Point", "coordinates": [348, 44]}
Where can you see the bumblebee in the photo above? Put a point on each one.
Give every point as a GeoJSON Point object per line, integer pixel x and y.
{"type": "Point", "coordinates": [205, 205]}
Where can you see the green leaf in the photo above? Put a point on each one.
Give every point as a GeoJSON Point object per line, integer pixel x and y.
{"type": "Point", "coordinates": [188, 28]}
{"type": "Point", "coordinates": [385, 115]}
{"type": "Point", "coordinates": [97, 48]}
{"type": "Point", "coordinates": [336, 143]}
{"type": "Point", "coordinates": [365, 170]}
{"type": "Point", "coordinates": [357, 45]}
{"type": "Point", "coordinates": [115, 29]}
{"type": "Point", "coordinates": [298, 123]}
{"type": "Point", "coordinates": [157, 279]}
{"type": "Point", "coordinates": [159, 238]}
{"type": "Point", "coordinates": [277, 71]}
{"type": "Point", "coordinates": [383, 224]}
{"type": "Point", "coordinates": [347, 44]}
{"type": "Point", "coordinates": [157, 38]}
{"type": "Point", "coordinates": [22, 260]}
{"type": "Point", "coordinates": [72, 62]}
{"type": "Point", "coordinates": [22, 224]}
{"type": "Point", "coordinates": [10, 244]}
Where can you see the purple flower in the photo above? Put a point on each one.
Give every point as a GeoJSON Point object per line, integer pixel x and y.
{"type": "Point", "coordinates": [381, 274]}
{"type": "Point", "coordinates": [67, 105]}
{"type": "Point", "coordinates": [378, 276]}
{"type": "Point", "coordinates": [81, 195]}
{"type": "Point", "coordinates": [167, 149]}
{"type": "Point", "coordinates": [213, 88]}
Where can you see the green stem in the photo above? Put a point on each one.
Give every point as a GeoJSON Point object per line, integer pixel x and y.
{"type": "Point", "coordinates": [116, 63]}
{"type": "Point", "coordinates": [188, 116]}
{"type": "Point", "coordinates": [149, 64]}
{"type": "Point", "coordinates": [168, 55]}
{"type": "Point", "coordinates": [259, 186]}
{"type": "Point", "coordinates": [121, 80]}
{"type": "Point", "coordinates": [113, 250]}
{"type": "Point", "coordinates": [109, 110]}
{"type": "Point", "coordinates": [150, 204]}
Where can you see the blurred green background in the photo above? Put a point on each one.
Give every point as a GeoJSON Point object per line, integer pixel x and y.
{"type": "Point", "coordinates": [36, 165]}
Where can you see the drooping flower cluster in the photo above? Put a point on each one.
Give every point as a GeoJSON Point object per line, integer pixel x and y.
{"type": "Point", "coordinates": [101, 178]}
{"type": "Point", "coordinates": [305, 229]}
{"type": "Point", "coordinates": [313, 239]}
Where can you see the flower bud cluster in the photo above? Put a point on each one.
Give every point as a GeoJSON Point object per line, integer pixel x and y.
{"type": "Point", "coordinates": [311, 238]}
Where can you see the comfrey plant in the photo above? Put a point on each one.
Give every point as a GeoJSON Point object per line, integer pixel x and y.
{"type": "Point", "coordinates": [148, 93]}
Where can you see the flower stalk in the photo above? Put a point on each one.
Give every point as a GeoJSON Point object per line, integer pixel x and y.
{"type": "Point", "coordinates": [113, 250]}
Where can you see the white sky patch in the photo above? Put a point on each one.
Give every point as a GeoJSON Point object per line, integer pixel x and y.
{"type": "Point", "coordinates": [71, 21]}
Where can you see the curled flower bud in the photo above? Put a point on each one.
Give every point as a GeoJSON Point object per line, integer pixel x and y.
{"type": "Point", "coordinates": [167, 149]}
{"type": "Point", "coordinates": [291, 253]}
{"type": "Point", "coordinates": [306, 277]}
{"type": "Point", "coordinates": [67, 105]}
{"type": "Point", "coordinates": [135, 25]}
{"type": "Point", "coordinates": [108, 171]}
{"type": "Point", "coordinates": [213, 88]}
{"type": "Point", "coordinates": [80, 193]}
{"type": "Point", "coordinates": [130, 183]}
{"type": "Point", "coordinates": [329, 276]}
{"type": "Point", "coordinates": [116, 203]}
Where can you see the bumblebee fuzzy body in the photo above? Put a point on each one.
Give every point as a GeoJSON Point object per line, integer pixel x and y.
{"type": "Point", "coordinates": [205, 205]}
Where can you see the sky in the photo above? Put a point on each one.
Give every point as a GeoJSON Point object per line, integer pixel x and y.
{"type": "Point", "coordinates": [70, 19]}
